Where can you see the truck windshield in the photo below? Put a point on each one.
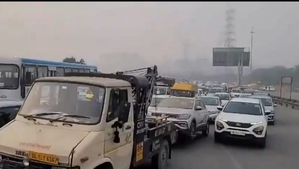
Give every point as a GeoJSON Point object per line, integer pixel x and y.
{"type": "Point", "coordinates": [69, 102]}
{"type": "Point", "coordinates": [9, 76]}
{"type": "Point", "coordinates": [182, 93]}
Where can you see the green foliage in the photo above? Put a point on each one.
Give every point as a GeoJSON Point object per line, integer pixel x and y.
{"type": "Point", "coordinates": [73, 60]}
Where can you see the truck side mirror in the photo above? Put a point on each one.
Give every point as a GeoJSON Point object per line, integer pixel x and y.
{"type": "Point", "coordinates": [124, 113]}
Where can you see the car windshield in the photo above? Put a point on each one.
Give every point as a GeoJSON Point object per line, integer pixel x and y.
{"type": "Point", "coordinates": [210, 101]}
{"type": "Point", "coordinates": [243, 108]}
{"type": "Point", "coordinates": [155, 102]}
{"type": "Point", "coordinates": [213, 90]}
{"type": "Point", "coordinates": [51, 100]}
{"type": "Point", "coordinates": [160, 91]}
{"type": "Point", "coordinates": [9, 76]}
{"type": "Point", "coordinates": [265, 101]}
{"type": "Point", "coordinates": [180, 103]}
{"type": "Point", "coordinates": [223, 96]}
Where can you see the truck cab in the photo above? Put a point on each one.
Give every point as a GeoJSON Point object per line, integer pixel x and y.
{"type": "Point", "coordinates": [83, 121]}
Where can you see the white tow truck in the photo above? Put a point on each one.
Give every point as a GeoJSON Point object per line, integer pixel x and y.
{"type": "Point", "coordinates": [104, 130]}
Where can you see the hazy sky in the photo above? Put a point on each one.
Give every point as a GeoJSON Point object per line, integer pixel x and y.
{"type": "Point", "coordinates": [131, 35]}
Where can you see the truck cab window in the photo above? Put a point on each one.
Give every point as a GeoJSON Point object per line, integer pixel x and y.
{"type": "Point", "coordinates": [116, 96]}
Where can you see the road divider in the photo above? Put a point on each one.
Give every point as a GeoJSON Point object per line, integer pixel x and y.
{"type": "Point", "coordinates": [292, 103]}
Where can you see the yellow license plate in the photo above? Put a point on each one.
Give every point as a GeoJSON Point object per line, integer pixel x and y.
{"type": "Point", "coordinates": [139, 153]}
{"type": "Point", "coordinates": [47, 158]}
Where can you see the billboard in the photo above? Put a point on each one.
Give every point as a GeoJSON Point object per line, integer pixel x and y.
{"type": "Point", "coordinates": [230, 56]}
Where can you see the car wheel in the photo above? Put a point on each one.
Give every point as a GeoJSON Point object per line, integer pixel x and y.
{"type": "Point", "coordinates": [262, 143]}
{"type": "Point", "coordinates": [193, 130]}
{"type": "Point", "coordinates": [217, 138]}
{"type": "Point", "coordinates": [271, 123]}
{"type": "Point", "coordinates": [207, 130]}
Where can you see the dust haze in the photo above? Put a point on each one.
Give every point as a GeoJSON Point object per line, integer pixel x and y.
{"type": "Point", "coordinates": [178, 37]}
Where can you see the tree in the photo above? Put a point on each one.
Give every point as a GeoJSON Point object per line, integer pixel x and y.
{"type": "Point", "coordinates": [73, 60]}
{"type": "Point", "coordinates": [70, 60]}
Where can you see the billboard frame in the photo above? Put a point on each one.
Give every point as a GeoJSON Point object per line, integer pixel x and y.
{"type": "Point", "coordinates": [232, 55]}
{"type": "Point", "coordinates": [283, 83]}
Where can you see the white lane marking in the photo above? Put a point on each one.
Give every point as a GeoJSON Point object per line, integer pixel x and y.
{"type": "Point", "coordinates": [232, 158]}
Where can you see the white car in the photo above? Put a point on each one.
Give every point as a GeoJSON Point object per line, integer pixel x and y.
{"type": "Point", "coordinates": [268, 105]}
{"type": "Point", "coordinates": [224, 97]}
{"type": "Point", "coordinates": [242, 118]}
{"type": "Point", "coordinates": [211, 102]}
{"type": "Point", "coordinates": [244, 95]}
{"type": "Point", "coordinates": [235, 93]}
{"type": "Point", "coordinates": [189, 115]}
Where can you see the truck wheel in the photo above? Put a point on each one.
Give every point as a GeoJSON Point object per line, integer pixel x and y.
{"type": "Point", "coordinates": [206, 131]}
{"type": "Point", "coordinates": [160, 161]}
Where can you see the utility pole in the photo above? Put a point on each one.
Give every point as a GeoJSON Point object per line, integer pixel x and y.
{"type": "Point", "coordinates": [251, 47]}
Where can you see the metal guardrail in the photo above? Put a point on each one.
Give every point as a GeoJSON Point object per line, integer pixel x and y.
{"type": "Point", "coordinates": [292, 103]}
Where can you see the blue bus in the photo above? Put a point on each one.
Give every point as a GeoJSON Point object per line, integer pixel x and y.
{"type": "Point", "coordinates": [17, 74]}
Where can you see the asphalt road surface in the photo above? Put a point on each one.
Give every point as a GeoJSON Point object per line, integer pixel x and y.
{"type": "Point", "coordinates": [282, 149]}
{"type": "Point", "coordinates": [295, 95]}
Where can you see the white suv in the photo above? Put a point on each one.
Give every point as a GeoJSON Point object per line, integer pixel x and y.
{"type": "Point", "coordinates": [242, 118]}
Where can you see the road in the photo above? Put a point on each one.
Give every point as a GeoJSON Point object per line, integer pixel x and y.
{"type": "Point", "coordinates": [282, 149]}
{"type": "Point", "coordinates": [295, 95]}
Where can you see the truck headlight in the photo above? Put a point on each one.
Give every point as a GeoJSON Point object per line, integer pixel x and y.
{"type": "Point", "coordinates": [258, 130]}
{"type": "Point", "coordinates": [184, 116]}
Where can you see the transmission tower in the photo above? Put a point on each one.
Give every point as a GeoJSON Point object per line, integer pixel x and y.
{"type": "Point", "coordinates": [229, 27]}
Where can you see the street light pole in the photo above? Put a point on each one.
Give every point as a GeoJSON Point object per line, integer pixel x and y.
{"type": "Point", "coordinates": [251, 47]}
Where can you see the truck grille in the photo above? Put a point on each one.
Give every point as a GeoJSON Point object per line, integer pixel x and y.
{"type": "Point", "coordinates": [13, 163]}
{"type": "Point", "coordinates": [237, 124]}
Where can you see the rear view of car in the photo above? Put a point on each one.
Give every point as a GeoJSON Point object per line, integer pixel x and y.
{"type": "Point", "coordinates": [224, 97]}
{"type": "Point", "coordinates": [211, 102]}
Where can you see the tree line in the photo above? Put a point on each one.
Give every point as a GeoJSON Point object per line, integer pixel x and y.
{"type": "Point", "coordinates": [73, 60]}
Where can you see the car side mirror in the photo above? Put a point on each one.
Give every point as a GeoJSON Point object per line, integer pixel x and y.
{"type": "Point", "coordinates": [274, 105]}
{"type": "Point", "coordinates": [219, 108]}
{"type": "Point", "coordinates": [124, 109]}
{"type": "Point", "coordinates": [197, 108]}
{"type": "Point", "coordinates": [267, 112]}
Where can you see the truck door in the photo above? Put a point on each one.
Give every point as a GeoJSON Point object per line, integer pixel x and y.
{"type": "Point", "coordinates": [120, 153]}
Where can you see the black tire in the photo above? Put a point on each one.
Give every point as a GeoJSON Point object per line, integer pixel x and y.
{"type": "Point", "coordinates": [217, 138]}
{"type": "Point", "coordinates": [193, 130]}
{"type": "Point", "coordinates": [262, 143]}
{"type": "Point", "coordinates": [160, 161]}
{"type": "Point", "coordinates": [207, 130]}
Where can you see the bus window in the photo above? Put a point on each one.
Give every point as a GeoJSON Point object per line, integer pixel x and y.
{"type": "Point", "coordinates": [67, 70]}
{"type": "Point", "coordinates": [81, 70]}
{"type": "Point", "coordinates": [75, 70]}
{"type": "Point", "coordinates": [9, 76]}
{"type": "Point", "coordinates": [42, 71]}
{"type": "Point", "coordinates": [86, 70]}
{"type": "Point", "coordinates": [32, 70]}
{"type": "Point", "coordinates": [59, 71]}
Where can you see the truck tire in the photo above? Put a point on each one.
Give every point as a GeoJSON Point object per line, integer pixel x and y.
{"type": "Point", "coordinates": [160, 161]}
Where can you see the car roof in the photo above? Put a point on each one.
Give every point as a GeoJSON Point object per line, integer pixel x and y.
{"type": "Point", "coordinates": [107, 82]}
{"type": "Point", "coordinates": [261, 96]}
{"type": "Point", "coordinates": [245, 100]}
{"type": "Point", "coordinates": [10, 102]}
{"type": "Point", "coordinates": [214, 97]}
{"type": "Point", "coordinates": [222, 93]}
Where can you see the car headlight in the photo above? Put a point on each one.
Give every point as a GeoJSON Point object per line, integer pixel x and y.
{"type": "Point", "coordinates": [258, 130]}
{"type": "Point", "coordinates": [255, 123]}
{"type": "Point", "coordinates": [219, 125]}
{"type": "Point", "coordinates": [184, 116]}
